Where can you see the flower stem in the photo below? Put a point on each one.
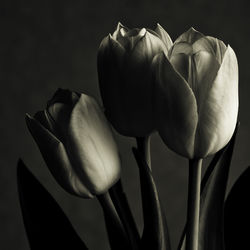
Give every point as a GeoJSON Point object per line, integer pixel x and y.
{"type": "Point", "coordinates": [117, 236]}
{"type": "Point", "coordinates": [193, 204]}
{"type": "Point", "coordinates": [120, 201]}
{"type": "Point", "coordinates": [143, 144]}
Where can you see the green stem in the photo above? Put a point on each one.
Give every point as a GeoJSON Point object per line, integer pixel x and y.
{"type": "Point", "coordinates": [143, 144]}
{"type": "Point", "coordinates": [193, 204]}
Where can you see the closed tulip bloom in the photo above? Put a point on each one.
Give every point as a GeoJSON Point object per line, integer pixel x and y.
{"type": "Point", "coordinates": [125, 77]}
{"type": "Point", "coordinates": [196, 94]}
{"type": "Point", "coordinates": [77, 144]}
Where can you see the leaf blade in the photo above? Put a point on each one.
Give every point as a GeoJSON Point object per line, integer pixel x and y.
{"type": "Point", "coordinates": [46, 225]}
{"type": "Point", "coordinates": [212, 202]}
{"type": "Point", "coordinates": [237, 217]}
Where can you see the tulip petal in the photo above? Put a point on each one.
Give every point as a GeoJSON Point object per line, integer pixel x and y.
{"type": "Point", "coordinates": [133, 117]}
{"type": "Point", "coordinates": [109, 47]}
{"type": "Point", "coordinates": [56, 159]}
{"type": "Point", "coordinates": [218, 113]}
{"type": "Point", "coordinates": [164, 36]}
{"type": "Point", "coordinates": [131, 38]}
{"type": "Point", "coordinates": [212, 45]}
{"type": "Point", "coordinates": [181, 48]}
{"type": "Point", "coordinates": [64, 96]}
{"type": "Point", "coordinates": [91, 146]}
{"type": "Point", "coordinates": [219, 48]}
{"type": "Point", "coordinates": [175, 108]}
{"type": "Point", "coordinates": [111, 76]}
{"type": "Point", "coordinates": [117, 33]}
{"type": "Point", "coordinates": [150, 44]}
{"type": "Point", "coordinates": [205, 68]}
{"type": "Point", "coordinates": [181, 63]}
{"type": "Point", "coordinates": [189, 36]}
{"type": "Point", "coordinates": [128, 37]}
{"type": "Point", "coordinates": [43, 118]}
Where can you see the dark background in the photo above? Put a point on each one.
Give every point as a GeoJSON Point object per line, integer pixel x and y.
{"type": "Point", "coordinates": [46, 45]}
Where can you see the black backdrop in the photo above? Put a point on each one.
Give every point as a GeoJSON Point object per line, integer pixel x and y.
{"type": "Point", "coordinates": [46, 45]}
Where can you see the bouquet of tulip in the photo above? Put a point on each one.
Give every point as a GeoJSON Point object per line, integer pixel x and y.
{"type": "Point", "coordinates": [187, 91]}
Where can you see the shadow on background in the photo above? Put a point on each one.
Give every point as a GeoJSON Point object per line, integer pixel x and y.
{"type": "Point", "coordinates": [46, 45]}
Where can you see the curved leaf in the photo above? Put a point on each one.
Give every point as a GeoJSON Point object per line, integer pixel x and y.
{"type": "Point", "coordinates": [212, 202]}
{"type": "Point", "coordinates": [46, 225]}
{"type": "Point", "coordinates": [237, 214]}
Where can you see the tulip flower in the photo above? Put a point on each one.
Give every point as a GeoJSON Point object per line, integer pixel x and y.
{"type": "Point", "coordinates": [77, 144]}
{"type": "Point", "coordinates": [196, 94]}
{"type": "Point", "coordinates": [125, 77]}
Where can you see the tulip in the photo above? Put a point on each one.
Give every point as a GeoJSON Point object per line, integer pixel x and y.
{"type": "Point", "coordinates": [196, 95]}
{"type": "Point", "coordinates": [77, 144]}
{"type": "Point", "coordinates": [125, 77]}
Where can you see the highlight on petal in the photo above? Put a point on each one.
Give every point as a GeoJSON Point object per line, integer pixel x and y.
{"type": "Point", "coordinates": [56, 159]}
{"type": "Point", "coordinates": [212, 45]}
{"type": "Point", "coordinates": [175, 108]}
{"type": "Point", "coordinates": [91, 146]}
{"type": "Point", "coordinates": [219, 111]}
{"type": "Point", "coordinates": [118, 33]}
{"type": "Point", "coordinates": [129, 39]}
{"type": "Point", "coordinates": [189, 36]}
{"type": "Point", "coordinates": [205, 67]}
{"type": "Point", "coordinates": [145, 49]}
{"type": "Point", "coordinates": [164, 36]}
{"type": "Point", "coordinates": [219, 48]}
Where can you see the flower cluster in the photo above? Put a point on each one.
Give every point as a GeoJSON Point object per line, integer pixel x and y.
{"type": "Point", "coordinates": [186, 90]}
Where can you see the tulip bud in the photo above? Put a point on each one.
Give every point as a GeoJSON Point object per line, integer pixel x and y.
{"type": "Point", "coordinates": [196, 95]}
{"type": "Point", "coordinates": [77, 144]}
{"type": "Point", "coordinates": [125, 77]}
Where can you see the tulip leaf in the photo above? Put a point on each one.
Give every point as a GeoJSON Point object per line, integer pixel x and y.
{"type": "Point", "coordinates": [155, 233]}
{"type": "Point", "coordinates": [213, 188]}
{"type": "Point", "coordinates": [237, 214]}
{"type": "Point", "coordinates": [212, 202]}
{"type": "Point", "coordinates": [46, 225]}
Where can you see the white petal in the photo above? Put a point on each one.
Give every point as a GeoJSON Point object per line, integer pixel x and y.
{"type": "Point", "coordinates": [146, 48]}
{"type": "Point", "coordinates": [92, 147]}
{"type": "Point", "coordinates": [205, 68]}
{"type": "Point", "coordinates": [218, 115]}
{"type": "Point", "coordinates": [189, 36]}
{"type": "Point", "coordinates": [130, 38]}
{"type": "Point", "coordinates": [117, 33]}
{"type": "Point", "coordinates": [175, 108]}
{"type": "Point", "coordinates": [56, 159]}
{"type": "Point", "coordinates": [212, 45]}
{"type": "Point", "coordinates": [164, 36]}
{"type": "Point", "coordinates": [181, 48]}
